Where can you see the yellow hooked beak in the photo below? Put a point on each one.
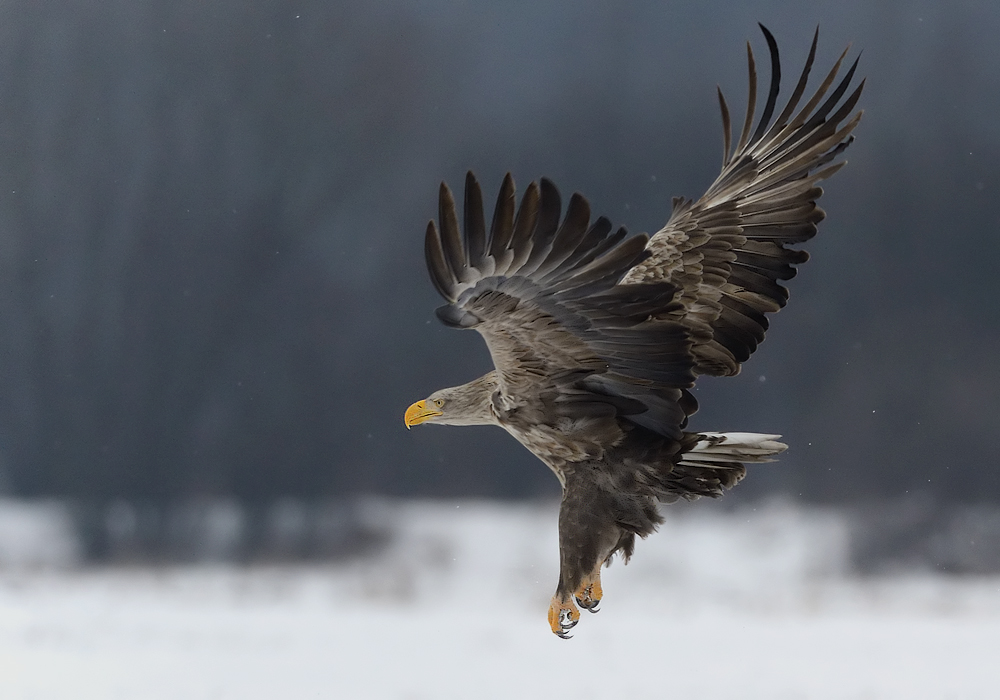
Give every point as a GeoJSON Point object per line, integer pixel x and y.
{"type": "Point", "coordinates": [418, 413]}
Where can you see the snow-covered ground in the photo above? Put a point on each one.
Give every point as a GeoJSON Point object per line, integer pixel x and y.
{"type": "Point", "coordinates": [746, 604]}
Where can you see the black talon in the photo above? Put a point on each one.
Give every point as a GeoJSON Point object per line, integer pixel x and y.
{"type": "Point", "coordinates": [563, 635]}
{"type": "Point", "coordinates": [593, 608]}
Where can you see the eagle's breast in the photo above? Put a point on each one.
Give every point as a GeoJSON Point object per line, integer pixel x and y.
{"type": "Point", "coordinates": [560, 441]}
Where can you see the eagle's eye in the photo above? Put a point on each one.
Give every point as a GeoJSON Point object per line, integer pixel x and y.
{"type": "Point", "coordinates": [439, 402]}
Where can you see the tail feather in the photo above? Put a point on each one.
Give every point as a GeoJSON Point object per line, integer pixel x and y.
{"type": "Point", "coordinates": [717, 449]}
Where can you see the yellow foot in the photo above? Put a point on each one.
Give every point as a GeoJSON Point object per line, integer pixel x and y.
{"type": "Point", "coordinates": [563, 616]}
{"type": "Point", "coordinates": [589, 594]}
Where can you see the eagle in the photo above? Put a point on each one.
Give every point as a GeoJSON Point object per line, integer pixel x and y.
{"type": "Point", "coordinates": [598, 337]}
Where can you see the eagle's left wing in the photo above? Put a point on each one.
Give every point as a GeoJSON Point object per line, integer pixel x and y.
{"type": "Point", "coordinates": [727, 252]}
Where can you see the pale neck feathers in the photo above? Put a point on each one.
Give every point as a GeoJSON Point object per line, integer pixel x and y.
{"type": "Point", "coordinates": [469, 404]}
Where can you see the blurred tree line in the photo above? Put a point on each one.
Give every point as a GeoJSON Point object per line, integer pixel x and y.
{"type": "Point", "coordinates": [211, 221]}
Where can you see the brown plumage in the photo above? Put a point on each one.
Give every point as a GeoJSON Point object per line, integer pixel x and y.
{"type": "Point", "coordinates": [597, 337]}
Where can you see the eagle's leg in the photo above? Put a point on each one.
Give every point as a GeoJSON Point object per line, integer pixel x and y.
{"type": "Point", "coordinates": [588, 534]}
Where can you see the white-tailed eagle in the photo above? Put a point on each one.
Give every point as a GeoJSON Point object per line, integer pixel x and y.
{"type": "Point", "coordinates": [597, 337]}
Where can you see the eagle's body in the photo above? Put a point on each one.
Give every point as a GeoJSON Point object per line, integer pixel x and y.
{"type": "Point", "coordinates": [598, 337]}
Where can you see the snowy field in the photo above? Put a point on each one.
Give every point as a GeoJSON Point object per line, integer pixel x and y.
{"type": "Point", "coordinates": [745, 604]}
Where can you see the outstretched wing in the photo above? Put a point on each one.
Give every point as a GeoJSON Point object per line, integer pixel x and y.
{"type": "Point", "coordinates": [567, 340]}
{"type": "Point", "coordinates": [727, 251]}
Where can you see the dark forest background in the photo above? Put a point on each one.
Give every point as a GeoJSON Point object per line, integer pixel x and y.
{"type": "Point", "coordinates": [212, 214]}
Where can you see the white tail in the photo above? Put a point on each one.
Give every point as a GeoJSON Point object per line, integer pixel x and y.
{"type": "Point", "coordinates": [720, 448]}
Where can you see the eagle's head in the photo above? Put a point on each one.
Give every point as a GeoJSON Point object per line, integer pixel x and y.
{"type": "Point", "coordinates": [468, 404]}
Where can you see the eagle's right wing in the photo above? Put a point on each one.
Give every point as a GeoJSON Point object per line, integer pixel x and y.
{"type": "Point", "coordinates": [727, 251]}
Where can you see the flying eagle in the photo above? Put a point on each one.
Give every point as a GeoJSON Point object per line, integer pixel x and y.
{"type": "Point", "coordinates": [598, 337]}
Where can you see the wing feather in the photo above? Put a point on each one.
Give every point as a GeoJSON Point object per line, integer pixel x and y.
{"type": "Point", "coordinates": [751, 101]}
{"type": "Point", "coordinates": [726, 252]}
{"type": "Point", "coordinates": [451, 237]}
{"type": "Point", "coordinates": [502, 229]}
{"type": "Point", "coordinates": [475, 229]}
{"type": "Point", "coordinates": [524, 227]}
{"type": "Point", "coordinates": [800, 88]}
{"type": "Point", "coordinates": [772, 94]}
{"type": "Point", "coordinates": [441, 273]}
{"type": "Point", "coordinates": [727, 133]}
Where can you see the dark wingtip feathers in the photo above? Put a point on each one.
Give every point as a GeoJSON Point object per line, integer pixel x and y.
{"type": "Point", "coordinates": [474, 229]}
{"type": "Point", "coordinates": [772, 95]}
{"type": "Point", "coordinates": [727, 133]}
{"type": "Point", "coordinates": [451, 237]}
{"type": "Point", "coordinates": [751, 100]}
{"type": "Point", "coordinates": [785, 130]}
{"type": "Point", "coordinates": [441, 275]}
{"type": "Point", "coordinates": [537, 242]}
{"type": "Point", "coordinates": [502, 228]}
{"type": "Point", "coordinates": [770, 178]}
